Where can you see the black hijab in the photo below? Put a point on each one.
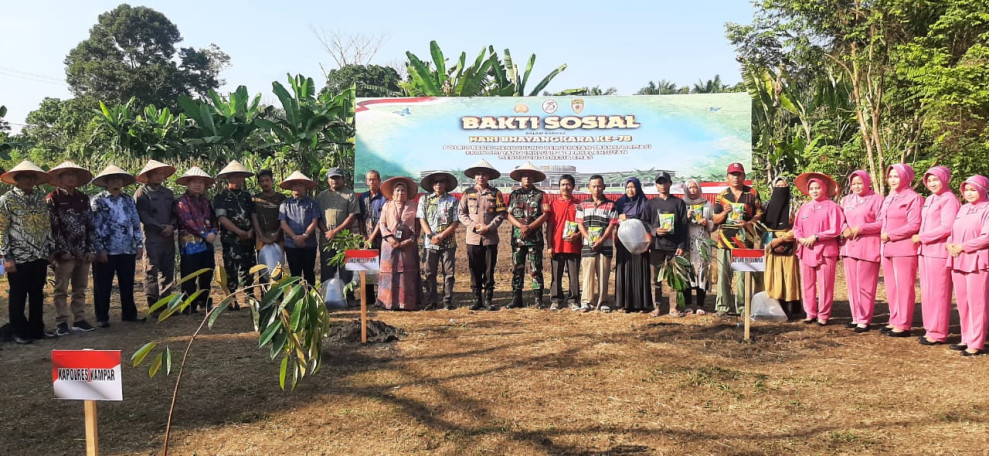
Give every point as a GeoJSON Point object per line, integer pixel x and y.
{"type": "Point", "coordinates": [634, 207]}
{"type": "Point", "coordinates": [777, 215]}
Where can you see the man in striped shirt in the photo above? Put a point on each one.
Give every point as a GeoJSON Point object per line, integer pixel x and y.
{"type": "Point", "coordinates": [597, 219]}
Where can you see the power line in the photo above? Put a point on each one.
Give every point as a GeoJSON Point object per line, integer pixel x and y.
{"type": "Point", "coordinates": [29, 74]}
{"type": "Point", "coordinates": [33, 79]}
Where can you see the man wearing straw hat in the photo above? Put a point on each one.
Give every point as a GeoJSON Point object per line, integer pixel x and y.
{"type": "Point", "coordinates": [481, 212]}
{"type": "Point", "coordinates": [26, 245]}
{"type": "Point", "coordinates": [75, 238]}
{"type": "Point", "coordinates": [527, 211]}
{"type": "Point", "coordinates": [119, 243]}
{"type": "Point", "coordinates": [300, 216]}
{"type": "Point", "coordinates": [234, 211]}
{"type": "Point", "coordinates": [196, 223]}
{"type": "Point", "coordinates": [154, 204]}
{"type": "Point", "coordinates": [437, 214]}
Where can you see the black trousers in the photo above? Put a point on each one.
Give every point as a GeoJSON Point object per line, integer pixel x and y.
{"type": "Point", "coordinates": [571, 263]}
{"type": "Point", "coordinates": [27, 286]}
{"type": "Point", "coordinates": [192, 263]}
{"type": "Point", "coordinates": [481, 259]}
{"type": "Point", "coordinates": [302, 263]}
{"type": "Point", "coordinates": [123, 267]}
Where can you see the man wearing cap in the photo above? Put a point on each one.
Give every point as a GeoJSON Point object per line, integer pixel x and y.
{"type": "Point", "coordinates": [119, 243]}
{"type": "Point", "coordinates": [75, 238]}
{"type": "Point", "coordinates": [527, 211]}
{"type": "Point", "coordinates": [154, 204]}
{"type": "Point", "coordinates": [437, 214]}
{"type": "Point", "coordinates": [234, 212]}
{"type": "Point", "coordinates": [737, 209]}
{"type": "Point", "coordinates": [340, 210]}
{"type": "Point", "coordinates": [26, 245]}
{"type": "Point", "coordinates": [481, 211]}
{"type": "Point", "coordinates": [669, 237]}
{"type": "Point", "coordinates": [370, 203]}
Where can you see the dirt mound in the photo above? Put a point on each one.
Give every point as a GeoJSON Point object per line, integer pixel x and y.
{"type": "Point", "coordinates": [377, 332]}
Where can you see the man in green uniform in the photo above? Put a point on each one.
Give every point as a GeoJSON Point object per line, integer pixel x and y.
{"type": "Point", "coordinates": [234, 209]}
{"type": "Point", "coordinates": [527, 211]}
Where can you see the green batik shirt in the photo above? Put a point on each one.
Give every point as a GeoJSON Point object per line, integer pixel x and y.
{"type": "Point", "coordinates": [25, 226]}
{"type": "Point", "coordinates": [237, 206]}
{"type": "Point", "coordinates": [527, 206]}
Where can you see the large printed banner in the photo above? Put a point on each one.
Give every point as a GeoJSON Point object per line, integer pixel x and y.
{"type": "Point", "coordinates": [616, 136]}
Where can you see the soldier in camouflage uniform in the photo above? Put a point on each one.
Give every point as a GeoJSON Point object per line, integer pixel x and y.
{"type": "Point", "coordinates": [527, 211]}
{"type": "Point", "coordinates": [234, 207]}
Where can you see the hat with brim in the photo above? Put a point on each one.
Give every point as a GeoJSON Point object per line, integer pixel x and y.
{"type": "Point", "coordinates": [528, 169]}
{"type": "Point", "coordinates": [68, 167]}
{"type": "Point", "coordinates": [449, 179]}
{"type": "Point", "coordinates": [802, 183]}
{"type": "Point", "coordinates": [482, 165]}
{"type": "Point", "coordinates": [193, 173]}
{"type": "Point", "coordinates": [297, 178]}
{"type": "Point", "coordinates": [154, 165]}
{"type": "Point", "coordinates": [25, 167]}
{"type": "Point", "coordinates": [112, 171]}
{"type": "Point", "coordinates": [234, 169]}
{"type": "Point", "coordinates": [388, 186]}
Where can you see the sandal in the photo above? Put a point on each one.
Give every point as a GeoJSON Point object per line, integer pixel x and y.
{"type": "Point", "coordinates": [700, 312]}
{"type": "Point", "coordinates": [677, 313]}
{"type": "Point", "coordinates": [654, 313]}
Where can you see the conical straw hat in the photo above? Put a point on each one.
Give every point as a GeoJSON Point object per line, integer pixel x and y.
{"type": "Point", "coordinates": [25, 167]}
{"type": "Point", "coordinates": [388, 186]}
{"type": "Point", "coordinates": [297, 177]}
{"type": "Point", "coordinates": [112, 171]}
{"type": "Point", "coordinates": [195, 172]}
{"type": "Point", "coordinates": [70, 167]}
{"type": "Point", "coordinates": [483, 165]}
{"type": "Point", "coordinates": [152, 165]}
{"type": "Point", "coordinates": [530, 169]}
{"type": "Point", "coordinates": [234, 168]}
{"type": "Point", "coordinates": [428, 181]}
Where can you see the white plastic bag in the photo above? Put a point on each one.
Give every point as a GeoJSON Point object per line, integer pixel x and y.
{"type": "Point", "coordinates": [333, 294]}
{"type": "Point", "coordinates": [272, 256]}
{"type": "Point", "coordinates": [765, 308]}
{"type": "Point", "coordinates": [634, 236]}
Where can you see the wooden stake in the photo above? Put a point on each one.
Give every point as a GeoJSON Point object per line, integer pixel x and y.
{"type": "Point", "coordinates": [363, 307]}
{"type": "Point", "coordinates": [92, 434]}
{"type": "Point", "coordinates": [748, 304]}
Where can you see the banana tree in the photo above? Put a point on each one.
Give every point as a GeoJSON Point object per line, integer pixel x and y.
{"type": "Point", "coordinates": [222, 124]}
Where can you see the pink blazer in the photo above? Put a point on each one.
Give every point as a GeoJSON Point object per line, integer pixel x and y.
{"type": "Point", "coordinates": [900, 215]}
{"type": "Point", "coordinates": [937, 217]}
{"type": "Point", "coordinates": [862, 212]}
{"type": "Point", "coordinates": [823, 219]}
{"type": "Point", "coordinates": [971, 230]}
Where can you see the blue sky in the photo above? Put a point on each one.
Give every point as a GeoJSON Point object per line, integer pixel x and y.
{"type": "Point", "coordinates": [622, 44]}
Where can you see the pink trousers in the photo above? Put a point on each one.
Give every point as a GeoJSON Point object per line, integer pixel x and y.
{"type": "Point", "coordinates": [819, 306]}
{"type": "Point", "coordinates": [861, 277]}
{"type": "Point", "coordinates": [935, 296]}
{"type": "Point", "coordinates": [971, 289]}
{"type": "Point", "coordinates": [900, 275]}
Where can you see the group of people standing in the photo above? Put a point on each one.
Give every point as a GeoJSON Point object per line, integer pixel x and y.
{"type": "Point", "coordinates": [899, 233]}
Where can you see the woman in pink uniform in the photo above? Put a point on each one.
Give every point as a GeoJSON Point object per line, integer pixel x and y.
{"type": "Point", "coordinates": [860, 252]}
{"type": "Point", "coordinates": [816, 228]}
{"type": "Point", "coordinates": [900, 215]}
{"type": "Point", "coordinates": [968, 245]}
{"type": "Point", "coordinates": [937, 217]}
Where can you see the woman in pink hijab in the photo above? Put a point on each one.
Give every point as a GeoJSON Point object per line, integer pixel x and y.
{"type": "Point", "coordinates": [817, 228]}
{"type": "Point", "coordinates": [900, 216]}
{"type": "Point", "coordinates": [968, 246]}
{"type": "Point", "coordinates": [860, 251]}
{"type": "Point", "coordinates": [937, 217]}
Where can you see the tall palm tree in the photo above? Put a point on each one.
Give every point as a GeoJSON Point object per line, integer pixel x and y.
{"type": "Point", "coordinates": [661, 87]}
{"type": "Point", "coordinates": [710, 86]}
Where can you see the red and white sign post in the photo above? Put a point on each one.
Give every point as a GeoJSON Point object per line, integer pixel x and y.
{"type": "Point", "coordinates": [90, 376]}
{"type": "Point", "coordinates": [363, 261]}
{"type": "Point", "coordinates": [748, 261]}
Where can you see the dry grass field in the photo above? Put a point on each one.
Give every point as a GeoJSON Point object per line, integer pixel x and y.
{"type": "Point", "coordinates": [522, 382]}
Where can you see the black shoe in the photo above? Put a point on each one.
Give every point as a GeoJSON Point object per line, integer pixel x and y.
{"type": "Point", "coordinates": [851, 325]}
{"type": "Point", "coordinates": [885, 329]}
{"type": "Point", "coordinates": [822, 323]}
{"type": "Point", "coordinates": [478, 305]}
{"type": "Point", "coordinates": [449, 306]}
{"type": "Point", "coordinates": [862, 329]}
{"type": "Point", "coordinates": [103, 324]}
{"type": "Point", "coordinates": [488, 304]}
{"type": "Point", "coordinates": [958, 347]}
{"type": "Point", "coordinates": [809, 322]}
{"type": "Point", "coordinates": [21, 341]}
{"type": "Point", "coordinates": [62, 329]}
{"type": "Point", "coordinates": [924, 341]}
{"type": "Point", "coordinates": [82, 325]}
{"type": "Point", "coordinates": [892, 333]}
{"type": "Point", "coordinates": [975, 353]}
{"type": "Point", "coordinates": [516, 302]}
{"type": "Point", "coordinates": [45, 334]}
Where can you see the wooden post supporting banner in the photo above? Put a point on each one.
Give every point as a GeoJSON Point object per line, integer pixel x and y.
{"type": "Point", "coordinates": [748, 304]}
{"type": "Point", "coordinates": [92, 434]}
{"type": "Point", "coordinates": [363, 307]}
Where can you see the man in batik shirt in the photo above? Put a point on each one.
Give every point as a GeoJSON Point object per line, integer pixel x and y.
{"type": "Point", "coordinates": [437, 214]}
{"type": "Point", "coordinates": [75, 245]}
